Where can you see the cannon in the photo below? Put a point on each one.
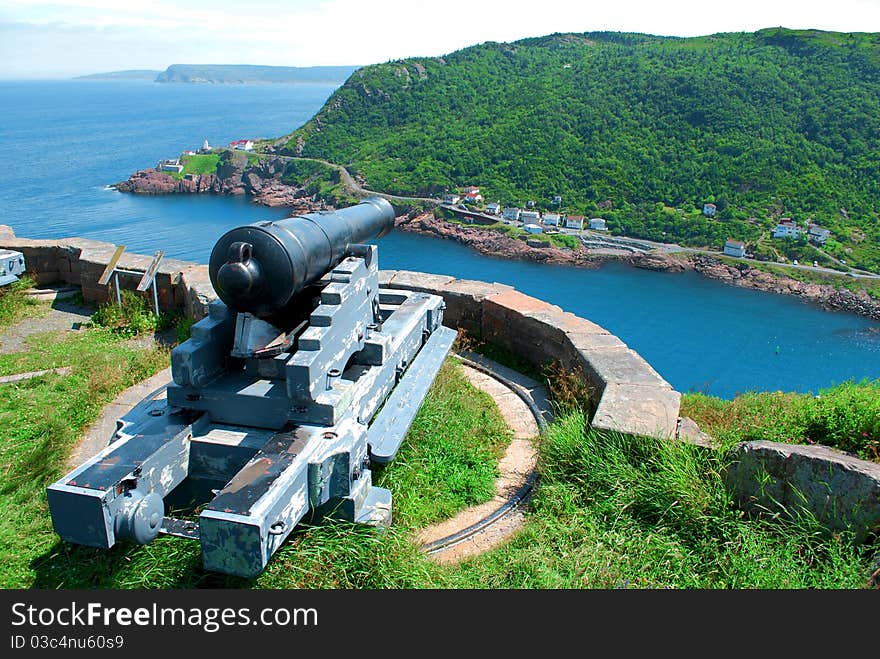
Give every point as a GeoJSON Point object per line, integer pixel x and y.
{"type": "Point", "coordinates": [303, 375]}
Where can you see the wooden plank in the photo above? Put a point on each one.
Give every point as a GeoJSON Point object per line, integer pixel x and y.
{"type": "Point", "coordinates": [111, 266]}
{"type": "Point", "coordinates": [151, 271]}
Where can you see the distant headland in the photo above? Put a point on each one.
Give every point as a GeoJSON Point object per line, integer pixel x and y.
{"type": "Point", "coordinates": [232, 73]}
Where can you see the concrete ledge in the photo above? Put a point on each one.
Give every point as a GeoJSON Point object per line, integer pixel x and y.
{"type": "Point", "coordinates": [842, 491]}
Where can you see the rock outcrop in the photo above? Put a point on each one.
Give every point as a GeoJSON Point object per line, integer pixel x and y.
{"type": "Point", "coordinates": [495, 243]}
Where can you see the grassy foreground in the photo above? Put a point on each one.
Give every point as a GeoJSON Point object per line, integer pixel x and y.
{"type": "Point", "coordinates": [611, 511]}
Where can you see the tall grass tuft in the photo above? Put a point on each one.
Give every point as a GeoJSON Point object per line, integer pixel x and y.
{"type": "Point", "coordinates": [616, 511]}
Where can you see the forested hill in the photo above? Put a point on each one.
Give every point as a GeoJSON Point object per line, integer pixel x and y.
{"type": "Point", "coordinates": [640, 129]}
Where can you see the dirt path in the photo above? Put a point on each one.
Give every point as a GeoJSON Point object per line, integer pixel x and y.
{"type": "Point", "coordinates": [62, 316]}
{"type": "Point", "coordinates": [514, 468]}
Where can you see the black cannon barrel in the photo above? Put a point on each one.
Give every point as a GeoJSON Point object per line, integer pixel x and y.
{"type": "Point", "coordinates": [258, 268]}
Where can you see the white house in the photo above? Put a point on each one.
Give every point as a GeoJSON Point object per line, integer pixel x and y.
{"type": "Point", "coordinates": [530, 216]}
{"type": "Point", "coordinates": [530, 203]}
{"type": "Point", "coordinates": [551, 219]}
{"type": "Point", "coordinates": [709, 210]}
{"type": "Point", "coordinates": [598, 224]}
{"type": "Point", "coordinates": [735, 248]}
{"type": "Point", "coordinates": [451, 198]}
{"type": "Point", "coordinates": [557, 200]}
{"type": "Point", "coordinates": [533, 228]}
{"type": "Point", "coordinates": [511, 214]}
{"type": "Point", "coordinates": [242, 145]}
{"type": "Point", "coordinates": [787, 228]}
{"type": "Point", "coordinates": [574, 222]}
{"type": "Point", "coordinates": [472, 198]}
{"type": "Point", "coordinates": [493, 208]}
{"type": "Point", "coordinates": [170, 166]}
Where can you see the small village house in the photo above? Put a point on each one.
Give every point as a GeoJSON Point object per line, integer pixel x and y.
{"type": "Point", "coordinates": [533, 228]}
{"type": "Point", "coordinates": [530, 203]}
{"type": "Point", "coordinates": [574, 222]}
{"type": "Point", "coordinates": [598, 224]}
{"type": "Point", "coordinates": [817, 235]}
{"type": "Point", "coordinates": [451, 198]}
{"type": "Point", "coordinates": [493, 208]}
{"type": "Point", "coordinates": [530, 216]}
{"type": "Point", "coordinates": [242, 145]}
{"type": "Point", "coordinates": [511, 214]}
{"type": "Point", "coordinates": [472, 198]}
{"type": "Point", "coordinates": [709, 210]}
{"type": "Point", "coordinates": [786, 228]}
{"type": "Point", "coordinates": [557, 200]}
{"type": "Point", "coordinates": [735, 248]}
{"type": "Point", "coordinates": [551, 219]}
{"type": "Point", "coordinates": [471, 189]}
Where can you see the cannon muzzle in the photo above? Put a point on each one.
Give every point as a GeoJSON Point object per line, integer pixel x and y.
{"type": "Point", "coordinates": [258, 268]}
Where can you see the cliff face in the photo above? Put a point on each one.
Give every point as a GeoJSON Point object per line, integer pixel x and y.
{"type": "Point", "coordinates": [234, 176]}
{"type": "Point", "coordinates": [745, 276]}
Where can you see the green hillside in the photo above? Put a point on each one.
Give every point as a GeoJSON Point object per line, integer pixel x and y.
{"type": "Point", "coordinates": [639, 129]}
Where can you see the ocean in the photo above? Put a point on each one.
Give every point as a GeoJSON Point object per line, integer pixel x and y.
{"type": "Point", "coordinates": [65, 141]}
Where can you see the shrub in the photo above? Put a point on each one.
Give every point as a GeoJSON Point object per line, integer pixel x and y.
{"type": "Point", "coordinates": [131, 318]}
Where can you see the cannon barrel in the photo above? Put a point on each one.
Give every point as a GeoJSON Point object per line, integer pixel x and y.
{"type": "Point", "coordinates": [258, 268]}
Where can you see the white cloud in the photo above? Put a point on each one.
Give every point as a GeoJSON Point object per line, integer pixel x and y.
{"type": "Point", "coordinates": [357, 32]}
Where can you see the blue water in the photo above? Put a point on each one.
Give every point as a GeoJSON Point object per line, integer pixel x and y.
{"type": "Point", "coordinates": [63, 142]}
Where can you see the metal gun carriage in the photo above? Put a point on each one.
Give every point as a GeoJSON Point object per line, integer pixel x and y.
{"type": "Point", "coordinates": [302, 376]}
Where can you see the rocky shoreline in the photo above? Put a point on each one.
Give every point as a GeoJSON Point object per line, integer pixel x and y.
{"type": "Point", "coordinates": [262, 182]}
{"type": "Point", "coordinates": [493, 243]}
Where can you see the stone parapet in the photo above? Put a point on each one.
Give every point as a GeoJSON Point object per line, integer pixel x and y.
{"type": "Point", "coordinates": [632, 397]}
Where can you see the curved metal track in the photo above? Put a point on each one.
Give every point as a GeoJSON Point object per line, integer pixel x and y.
{"type": "Point", "coordinates": [518, 497]}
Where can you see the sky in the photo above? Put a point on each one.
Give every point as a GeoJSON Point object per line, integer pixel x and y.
{"type": "Point", "coordinates": [64, 38]}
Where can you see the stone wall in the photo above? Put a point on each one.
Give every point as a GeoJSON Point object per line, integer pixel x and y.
{"type": "Point", "coordinates": [632, 398]}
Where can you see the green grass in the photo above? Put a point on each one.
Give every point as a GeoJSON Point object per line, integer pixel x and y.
{"type": "Point", "coordinates": [40, 420]}
{"type": "Point", "coordinates": [200, 164]}
{"type": "Point", "coordinates": [15, 305]}
{"type": "Point", "coordinates": [449, 459]}
{"type": "Point", "coordinates": [624, 512]}
{"type": "Point", "coordinates": [846, 417]}
{"type": "Point", "coordinates": [611, 511]}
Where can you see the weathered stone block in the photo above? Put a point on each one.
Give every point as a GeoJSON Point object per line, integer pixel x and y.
{"type": "Point", "coordinates": [620, 366]}
{"type": "Point", "coordinates": [385, 277]}
{"type": "Point", "coordinates": [464, 303]}
{"type": "Point", "coordinates": [841, 491]}
{"type": "Point", "coordinates": [633, 409]}
{"type": "Point", "coordinates": [419, 281]}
